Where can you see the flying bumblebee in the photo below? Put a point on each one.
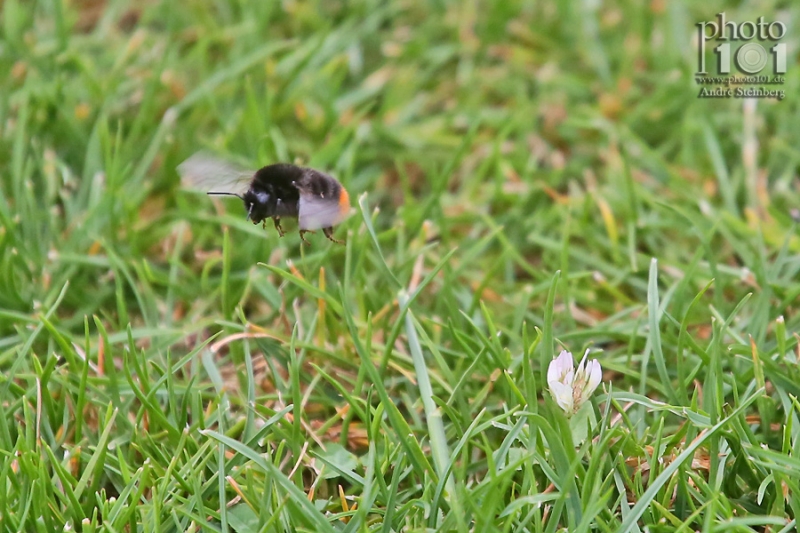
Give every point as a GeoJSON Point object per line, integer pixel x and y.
{"type": "Point", "coordinates": [282, 190]}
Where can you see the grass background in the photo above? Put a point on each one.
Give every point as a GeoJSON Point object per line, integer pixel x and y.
{"type": "Point", "coordinates": [525, 176]}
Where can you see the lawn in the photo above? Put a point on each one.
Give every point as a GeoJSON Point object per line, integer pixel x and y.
{"type": "Point", "coordinates": [525, 178]}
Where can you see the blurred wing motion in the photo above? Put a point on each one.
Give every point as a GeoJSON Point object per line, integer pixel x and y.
{"type": "Point", "coordinates": [317, 214]}
{"type": "Point", "coordinates": [322, 211]}
{"type": "Point", "coordinates": [209, 174]}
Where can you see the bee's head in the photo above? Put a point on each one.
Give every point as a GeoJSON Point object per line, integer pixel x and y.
{"type": "Point", "coordinates": [256, 202]}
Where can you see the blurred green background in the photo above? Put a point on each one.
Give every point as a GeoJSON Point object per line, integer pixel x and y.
{"type": "Point", "coordinates": [514, 166]}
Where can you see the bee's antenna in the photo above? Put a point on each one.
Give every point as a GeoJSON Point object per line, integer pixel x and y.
{"type": "Point", "coordinates": [225, 194]}
{"type": "Point", "coordinates": [250, 211]}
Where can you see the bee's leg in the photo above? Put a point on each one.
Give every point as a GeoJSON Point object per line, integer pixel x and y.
{"type": "Point", "coordinates": [302, 232]}
{"type": "Point", "coordinates": [329, 234]}
{"type": "Point", "coordinates": [277, 221]}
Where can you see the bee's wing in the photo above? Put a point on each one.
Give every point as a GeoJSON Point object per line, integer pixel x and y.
{"type": "Point", "coordinates": [209, 174]}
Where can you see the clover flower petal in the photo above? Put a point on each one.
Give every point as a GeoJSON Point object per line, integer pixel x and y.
{"type": "Point", "coordinates": [571, 387]}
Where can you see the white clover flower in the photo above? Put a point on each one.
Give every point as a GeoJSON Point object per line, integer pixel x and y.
{"type": "Point", "coordinates": [571, 388]}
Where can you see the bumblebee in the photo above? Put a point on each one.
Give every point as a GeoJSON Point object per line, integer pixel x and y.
{"type": "Point", "coordinates": [316, 199]}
